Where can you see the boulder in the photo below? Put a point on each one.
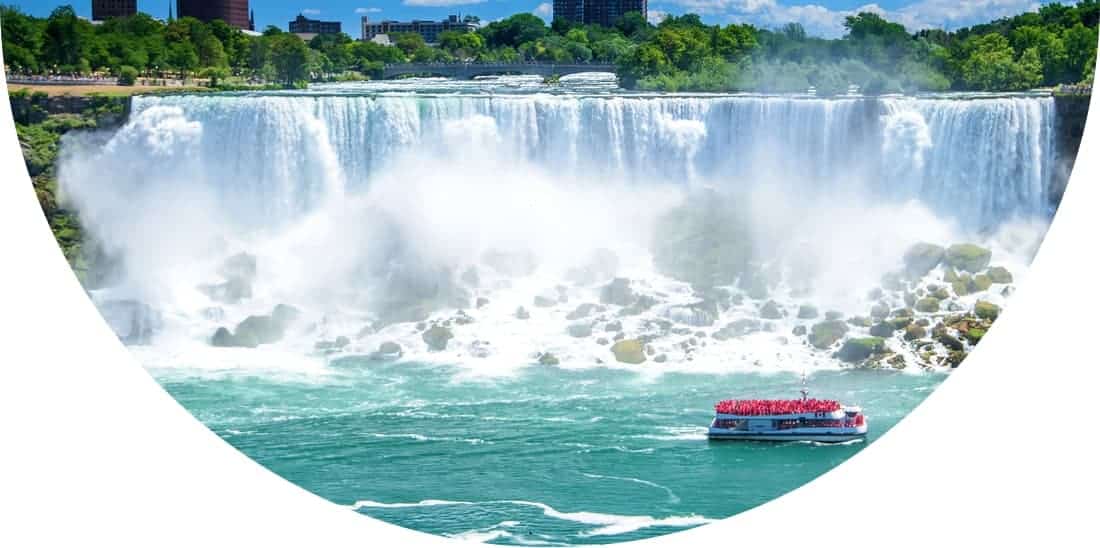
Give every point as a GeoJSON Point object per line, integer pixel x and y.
{"type": "Point", "coordinates": [807, 312]}
{"type": "Point", "coordinates": [856, 350]}
{"type": "Point", "coordinates": [771, 311]}
{"type": "Point", "coordinates": [481, 302]}
{"type": "Point", "coordinates": [388, 350]}
{"type": "Point", "coordinates": [962, 285]}
{"type": "Point", "coordinates": [580, 330]}
{"type": "Point", "coordinates": [973, 335]}
{"type": "Point", "coordinates": [897, 361]}
{"type": "Point", "coordinates": [980, 282]}
{"type": "Point", "coordinates": [928, 305]}
{"type": "Point", "coordinates": [921, 258]}
{"type": "Point", "coordinates": [617, 292]}
{"type": "Point", "coordinates": [948, 340]}
{"type": "Point", "coordinates": [641, 304]}
{"type": "Point", "coordinates": [582, 311]}
{"type": "Point", "coordinates": [824, 334]}
{"type": "Point", "coordinates": [882, 329]}
{"type": "Point", "coordinates": [799, 330]}
{"type": "Point", "coordinates": [436, 337]}
{"type": "Point", "coordinates": [660, 358]}
{"type": "Point", "coordinates": [986, 310]}
{"type": "Point", "coordinates": [999, 275]}
{"type": "Point", "coordinates": [522, 314]}
{"type": "Point", "coordinates": [614, 325]}
{"type": "Point", "coordinates": [547, 358]}
{"type": "Point", "coordinates": [629, 351]}
{"type": "Point", "coordinates": [967, 257]}
{"type": "Point", "coordinates": [915, 332]}
{"type": "Point", "coordinates": [939, 292]}
{"type": "Point", "coordinates": [223, 338]}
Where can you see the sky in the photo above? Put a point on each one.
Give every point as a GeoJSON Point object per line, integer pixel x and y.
{"type": "Point", "coordinates": [819, 17]}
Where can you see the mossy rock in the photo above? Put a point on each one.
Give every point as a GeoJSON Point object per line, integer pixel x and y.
{"type": "Point", "coordinates": [948, 340]}
{"type": "Point", "coordinates": [974, 335]}
{"type": "Point", "coordinates": [986, 310]}
{"type": "Point", "coordinates": [436, 337]}
{"type": "Point", "coordinates": [825, 334]}
{"type": "Point", "coordinates": [900, 322]}
{"type": "Point", "coordinates": [897, 361]}
{"type": "Point", "coordinates": [856, 350]}
{"type": "Point", "coordinates": [939, 292]}
{"type": "Point", "coordinates": [980, 282]}
{"type": "Point", "coordinates": [968, 257]}
{"type": "Point", "coordinates": [915, 332]}
{"type": "Point", "coordinates": [949, 275]}
{"type": "Point", "coordinates": [807, 312]}
{"type": "Point", "coordinates": [921, 258]}
{"type": "Point", "coordinates": [629, 351]}
{"type": "Point", "coordinates": [928, 305]}
{"type": "Point", "coordinates": [999, 275]}
{"type": "Point", "coordinates": [903, 313]}
{"type": "Point", "coordinates": [388, 350]}
{"type": "Point", "coordinates": [954, 358]}
{"type": "Point", "coordinates": [962, 285]}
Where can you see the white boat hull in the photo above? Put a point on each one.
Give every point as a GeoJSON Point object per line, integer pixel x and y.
{"type": "Point", "coordinates": [823, 437]}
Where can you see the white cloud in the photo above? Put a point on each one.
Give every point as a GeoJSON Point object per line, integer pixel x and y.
{"type": "Point", "coordinates": [311, 11]}
{"type": "Point", "coordinates": [365, 11]}
{"type": "Point", "coordinates": [822, 21]}
{"type": "Point", "coordinates": [439, 3]}
{"type": "Point", "coordinates": [655, 16]}
{"type": "Point", "coordinates": [544, 10]}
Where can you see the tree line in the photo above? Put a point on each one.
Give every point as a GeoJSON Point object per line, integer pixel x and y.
{"type": "Point", "coordinates": [1055, 45]}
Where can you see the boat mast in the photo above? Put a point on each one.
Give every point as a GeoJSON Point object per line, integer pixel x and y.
{"type": "Point", "coordinates": [804, 390]}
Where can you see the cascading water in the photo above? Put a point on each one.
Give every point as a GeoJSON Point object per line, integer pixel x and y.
{"type": "Point", "coordinates": [395, 194]}
{"type": "Point", "coordinates": [472, 237]}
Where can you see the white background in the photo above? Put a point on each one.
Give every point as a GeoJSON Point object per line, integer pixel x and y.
{"type": "Point", "coordinates": [94, 452]}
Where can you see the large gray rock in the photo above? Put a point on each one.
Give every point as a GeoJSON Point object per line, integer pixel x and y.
{"type": "Point", "coordinates": [921, 258]}
{"type": "Point", "coordinates": [436, 337]}
{"type": "Point", "coordinates": [617, 292]}
{"type": "Point", "coordinates": [825, 334]}
{"type": "Point", "coordinates": [580, 330]}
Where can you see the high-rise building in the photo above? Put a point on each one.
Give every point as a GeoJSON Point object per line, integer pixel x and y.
{"type": "Point", "coordinates": [103, 10]}
{"type": "Point", "coordinates": [305, 25]}
{"type": "Point", "coordinates": [233, 12]}
{"type": "Point", "coordinates": [570, 10]}
{"type": "Point", "coordinates": [597, 12]}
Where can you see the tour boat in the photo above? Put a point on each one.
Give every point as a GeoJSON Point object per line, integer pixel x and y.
{"type": "Point", "coordinates": [805, 419]}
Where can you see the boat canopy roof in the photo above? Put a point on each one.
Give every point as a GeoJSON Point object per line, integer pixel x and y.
{"type": "Point", "coordinates": [776, 407]}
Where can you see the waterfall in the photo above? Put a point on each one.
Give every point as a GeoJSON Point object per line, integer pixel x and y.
{"type": "Point", "coordinates": [978, 161]}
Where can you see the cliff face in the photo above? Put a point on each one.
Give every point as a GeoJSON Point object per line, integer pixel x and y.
{"type": "Point", "coordinates": [1071, 113]}
{"type": "Point", "coordinates": [41, 122]}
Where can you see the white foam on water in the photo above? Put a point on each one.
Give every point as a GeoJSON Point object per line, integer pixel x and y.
{"type": "Point", "coordinates": [672, 498]}
{"type": "Point", "coordinates": [609, 524]}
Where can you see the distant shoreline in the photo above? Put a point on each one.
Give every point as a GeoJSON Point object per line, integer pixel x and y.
{"type": "Point", "coordinates": [81, 90]}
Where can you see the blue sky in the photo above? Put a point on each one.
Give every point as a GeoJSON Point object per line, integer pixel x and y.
{"type": "Point", "coordinates": [820, 17]}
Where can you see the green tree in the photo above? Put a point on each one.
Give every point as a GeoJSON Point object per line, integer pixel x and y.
{"type": "Point", "coordinates": [290, 57]}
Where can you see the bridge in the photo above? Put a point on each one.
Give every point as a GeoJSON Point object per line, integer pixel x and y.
{"type": "Point", "coordinates": [472, 70]}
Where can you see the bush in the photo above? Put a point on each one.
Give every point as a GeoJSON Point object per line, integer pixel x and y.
{"type": "Point", "coordinates": [127, 76]}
